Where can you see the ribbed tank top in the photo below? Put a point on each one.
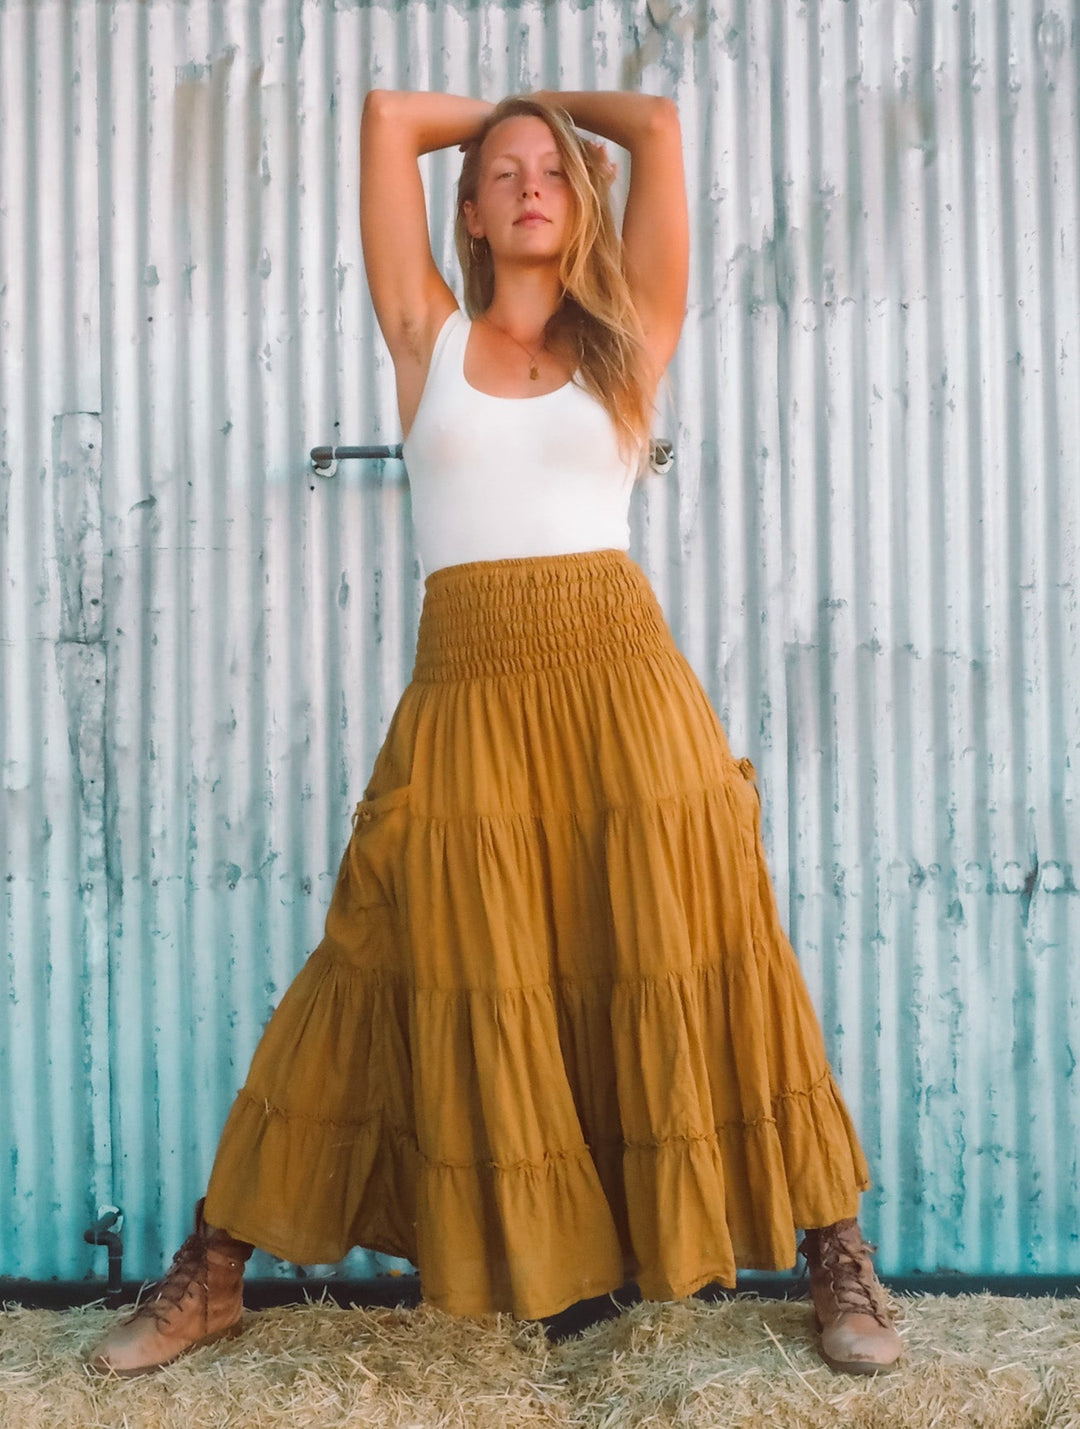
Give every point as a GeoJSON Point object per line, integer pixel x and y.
{"type": "Point", "coordinates": [498, 477]}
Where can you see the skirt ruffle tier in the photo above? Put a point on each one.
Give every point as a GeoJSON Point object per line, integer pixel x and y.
{"type": "Point", "coordinates": [555, 1037]}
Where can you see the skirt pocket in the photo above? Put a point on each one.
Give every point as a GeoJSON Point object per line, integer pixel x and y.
{"type": "Point", "coordinates": [748, 772]}
{"type": "Point", "coordinates": [755, 882]}
{"type": "Point", "coordinates": [362, 919]}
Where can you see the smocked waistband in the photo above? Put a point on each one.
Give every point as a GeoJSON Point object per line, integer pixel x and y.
{"type": "Point", "coordinates": [533, 613]}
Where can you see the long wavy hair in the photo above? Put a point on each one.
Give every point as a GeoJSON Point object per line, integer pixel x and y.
{"type": "Point", "coordinates": [596, 327]}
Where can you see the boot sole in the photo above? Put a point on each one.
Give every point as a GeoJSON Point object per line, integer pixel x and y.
{"type": "Point", "coordinates": [857, 1366]}
{"type": "Point", "coordinates": [104, 1370]}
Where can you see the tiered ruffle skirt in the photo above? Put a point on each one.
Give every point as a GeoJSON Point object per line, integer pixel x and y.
{"type": "Point", "coordinates": [554, 1037]}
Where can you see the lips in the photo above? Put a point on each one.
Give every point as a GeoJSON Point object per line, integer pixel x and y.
{"type": "Point", "coordinates": [531, 217]}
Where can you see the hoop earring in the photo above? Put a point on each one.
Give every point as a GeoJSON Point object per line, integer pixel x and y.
{"type": "Point", "coordinates": [473, 241]}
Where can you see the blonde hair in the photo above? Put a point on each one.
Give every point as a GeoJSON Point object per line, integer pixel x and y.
{"type": "Point", "coordinates": [596, 326]}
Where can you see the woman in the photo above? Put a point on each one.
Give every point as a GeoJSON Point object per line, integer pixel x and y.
{"type": "Point", "coordinates": [554, 1037]}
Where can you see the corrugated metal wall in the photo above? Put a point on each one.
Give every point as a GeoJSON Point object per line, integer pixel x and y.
{"type": "Point", "coordinates": [868, 549]}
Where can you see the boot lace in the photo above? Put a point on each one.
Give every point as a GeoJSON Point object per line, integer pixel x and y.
{"type": "Point", "coordinates": [845, 1261]}
{"type": "Point", "coordinates": [167, 1294]}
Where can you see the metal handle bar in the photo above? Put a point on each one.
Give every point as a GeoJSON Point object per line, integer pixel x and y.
{"type": "Point", "coordinates": [324, 460]}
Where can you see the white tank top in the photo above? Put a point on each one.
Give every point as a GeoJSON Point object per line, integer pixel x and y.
{"type": "Point", "coordinates": [495, 477]}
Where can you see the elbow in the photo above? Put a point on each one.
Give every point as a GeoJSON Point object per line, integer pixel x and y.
{"type": "Point", "coordinates": [378, 106]}
{"type": "Point", "coordinates": [663, 115]}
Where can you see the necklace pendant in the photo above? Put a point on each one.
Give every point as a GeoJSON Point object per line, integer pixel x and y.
{"type": "Point", "coordinates": [534, 372]}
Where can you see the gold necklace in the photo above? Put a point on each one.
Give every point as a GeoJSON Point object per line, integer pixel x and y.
{"type": "Point", "coordinates": [534, 371]}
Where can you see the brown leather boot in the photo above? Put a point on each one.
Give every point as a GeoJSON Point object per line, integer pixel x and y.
{"type": "Point", "coordinates": [853, 1311]}
{"type": "Point", "coordinates": [200, 1300]}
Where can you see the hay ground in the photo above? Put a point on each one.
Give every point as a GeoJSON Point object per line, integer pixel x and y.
{"type": "Point", "coordinates": [979, 1360]}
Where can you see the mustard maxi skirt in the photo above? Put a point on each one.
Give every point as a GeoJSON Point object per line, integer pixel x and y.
{"type": "Point", "coordinates": [554, 1038]}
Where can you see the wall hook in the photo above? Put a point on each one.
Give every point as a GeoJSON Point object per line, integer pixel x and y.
{"type": "Point", "coordinates": [106, 1231]}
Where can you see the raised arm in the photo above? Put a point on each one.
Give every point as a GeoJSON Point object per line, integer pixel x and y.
{"type": "Point", "coordinates": [656, 240]}
{"type": "Point", "coordinates": [410, 296]}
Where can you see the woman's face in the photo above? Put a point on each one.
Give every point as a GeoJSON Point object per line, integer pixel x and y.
{"type": "Point", "coordinates": [523, 198]}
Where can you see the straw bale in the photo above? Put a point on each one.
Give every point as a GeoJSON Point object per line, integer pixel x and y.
{"type": "Point", "coordinates": [980, 1361]}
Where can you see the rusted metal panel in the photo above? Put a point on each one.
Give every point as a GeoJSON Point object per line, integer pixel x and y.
{"type": "Point", "coordinates": [867, 549]}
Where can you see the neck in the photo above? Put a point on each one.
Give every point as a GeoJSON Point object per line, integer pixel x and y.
{"type": "Point", "coordinates": [524, 301]}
